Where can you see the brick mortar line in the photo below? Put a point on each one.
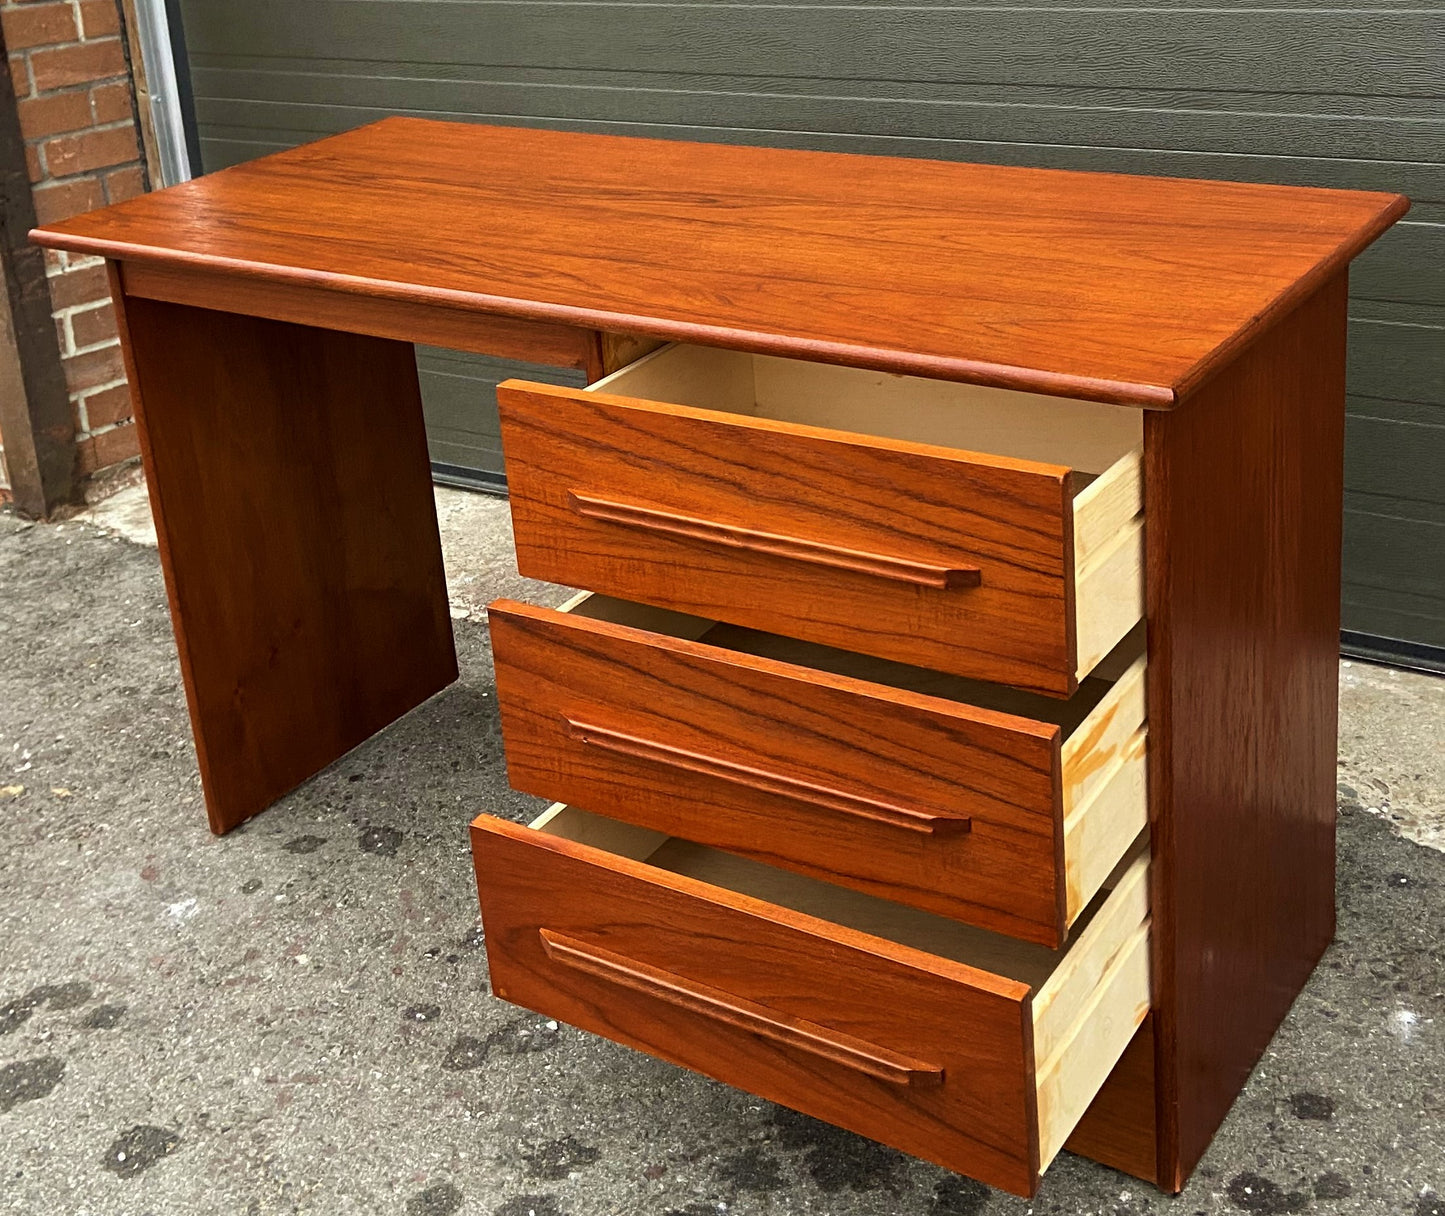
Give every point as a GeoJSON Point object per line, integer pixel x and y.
{"type": "Point", "coordinates": [105, 344]}
{"type": "Point", "coordinates": [71, 309]}
{"type": "Point", "coordinates": [66, 266]}
{"type": "Point", "coordinates": [114, 78]}
{"type": "Point", "coordinates": [23, 56]}
{"type": "Point", "coordinates": [101, 388]}
{"type": "Point", "coordinates": [88, 129]}
{"type": "Point", "coordinates": [55, 46]}
{"type": "Point", "coordinates": [81, 404]}
{"type": "Point", "coordinates": [71, 179]}
{"type": "Point", "coordinates": [108, 427]}
{"type": "Point", "coordinates": [50, 94]}
{"type": "Point", "coordinates": [78, 95]}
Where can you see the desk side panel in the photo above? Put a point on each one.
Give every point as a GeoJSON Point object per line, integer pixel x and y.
{"type": "Point", "coordinates": [1243, 490]}
{"type": "Point", "coordinates": [288, 475]}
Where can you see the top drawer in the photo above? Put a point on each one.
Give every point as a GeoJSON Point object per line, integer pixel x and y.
{"type": "Point", "coordinates": [987, 533]}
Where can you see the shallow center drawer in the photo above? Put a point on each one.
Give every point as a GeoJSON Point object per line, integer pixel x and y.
{"type": "Point", "coordinates": [982, 803]}
{"type": "Point", "coordinates": [979, 531]}
{"type": "Point", "coordinates": [966, 1048]}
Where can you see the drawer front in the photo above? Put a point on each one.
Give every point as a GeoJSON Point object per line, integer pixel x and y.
{"type": "Point", "coordinates": [908, 797]}
{"type": "Point", "coordinates": [933, 802]}
{"type": "Point", "coordinates": [921, 554]}
{"type": "Point", "coordinates": [930, 1056]}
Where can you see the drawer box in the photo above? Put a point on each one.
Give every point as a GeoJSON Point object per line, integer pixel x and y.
{"type": "Point", "coordinates": [983, 532]}
{"type": "Point", "coordinates": [969, 1049]}
{"type": "Point", "coordinates": [1001, 808]}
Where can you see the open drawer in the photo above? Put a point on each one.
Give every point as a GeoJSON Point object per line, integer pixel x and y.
{"type": "Point", "coordinates": [969, 1049]}
{"type": "Point", "coordinates": [976, 801]}
{"type": "Point", "coordinates": [979, 531]}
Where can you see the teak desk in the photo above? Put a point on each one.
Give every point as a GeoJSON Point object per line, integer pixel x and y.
{"type": "Point", "coordinates": [936, 444]}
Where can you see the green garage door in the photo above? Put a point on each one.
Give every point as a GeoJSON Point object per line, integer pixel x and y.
{"type": "Point", "coordinates": [1322, 96]}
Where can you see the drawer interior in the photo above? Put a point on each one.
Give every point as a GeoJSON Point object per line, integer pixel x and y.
{"type": "Point", "coordinates": [1087, 996]}
{"type": "Point", "coordinates": [1085, 436]}
{"type": "Point", "coordinates": [995, 952]}
{"type": "Point", "coordinates": [1071, 715]}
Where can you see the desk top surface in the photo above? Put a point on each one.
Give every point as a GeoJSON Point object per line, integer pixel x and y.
{"type": "Point", "coordinates": [1102, 286]}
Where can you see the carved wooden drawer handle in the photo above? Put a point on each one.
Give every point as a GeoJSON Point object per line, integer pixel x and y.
{"type": "Point", "coordinates": [880, 565]}
{"type": "Point", "coordinates": [770, 783]}
{"type": "Point", "coordinates": [739, 1013]}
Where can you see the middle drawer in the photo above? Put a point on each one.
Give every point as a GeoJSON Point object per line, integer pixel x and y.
{"type": "Point", "coordinates": [982, 803]}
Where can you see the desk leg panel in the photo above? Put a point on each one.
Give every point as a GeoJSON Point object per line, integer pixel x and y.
{"type": "Point", "coordinates": [289, 479]}
{"type": "Point", "coordinates": [1243, 499]}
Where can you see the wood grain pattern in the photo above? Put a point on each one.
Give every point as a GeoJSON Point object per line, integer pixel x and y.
{"type": "Point", "coordinates": [405, 321]}
{"type": "Point", "coordinates": [915, 505]}
{"type": "Point", "coordinates": [794, 548]}
{"type": "Point", "coordinates": [616, 351]}
{"type": "Point", "coordinates": [1108, 595]}
{"type": "Point", "coordinates": [866, 742]}
{"type": "Point", "coordinates": [1064, 1002]}
{"type": "Point", "coordinates": [1086, 436]}
{"type": "Point", "coordinates": [1243, 690]}
{"type": "Point", "coordinates": [805, 254]}
{"type": "Point", "coordinates": [1096, 831]}
{"type": "Point", "coordinates": [288, 475]}
{"type": "Point", "coordinates": [699, 953]}
{"type": "Point", "coordinates": [1103, 734]}
{"type": "Point", "coordinates": [752, 777]}
{"type": "Point", "coordinates": [1088, 998]}
{"type": "Point", "coordinates": [932, 802]}
{"type": "Point", "coordinates": [1068, 1082]}
{"type": "Point", "coordinates": [1099, 445]}
{"type": "Point", "coordinates": [714, 1005]}
{"type": "Point", "coordinates": [310, 608]}
{"type": "Point", "coordinates": [1105, 506]}
{"type": "Point", "coordinates": [973, 1025]}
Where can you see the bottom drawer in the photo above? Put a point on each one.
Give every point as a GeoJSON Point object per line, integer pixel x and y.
{"type": "Point", "coordinates": [970, 1049]}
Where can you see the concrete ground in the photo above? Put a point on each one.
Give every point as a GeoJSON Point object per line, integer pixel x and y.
{"type": "Point", "coordinates": [296, 1018]}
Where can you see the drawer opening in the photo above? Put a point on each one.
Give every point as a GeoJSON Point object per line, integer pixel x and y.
{"type": "Point", "coordinates": [1068, 714]}
{"type": "Point", "coordinates": [1087, 436]}
{"type": "Point", "coordinates": [1087, 997]}
{"type": "Point", "coordinates": [1103, 728]}
{"type": "Point", "coordinates": [995, 952]}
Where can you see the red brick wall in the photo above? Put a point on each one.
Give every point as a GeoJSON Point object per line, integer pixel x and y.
{"type": "Point", "coordinates": [68, 63]}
